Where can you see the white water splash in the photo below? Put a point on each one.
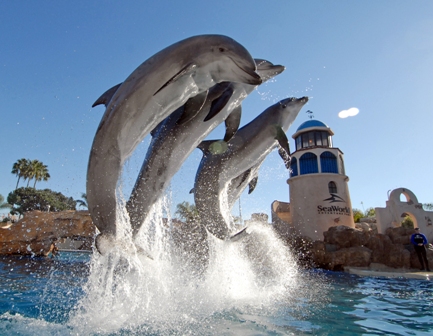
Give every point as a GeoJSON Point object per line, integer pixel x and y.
{"type": "Point", "coordinates": [128, 292]}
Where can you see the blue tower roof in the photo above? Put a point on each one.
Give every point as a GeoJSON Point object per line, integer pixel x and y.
{"type": "Point", "coordinates": [311, 123]}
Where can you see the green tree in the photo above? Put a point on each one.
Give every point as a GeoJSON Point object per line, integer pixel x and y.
{"type": "Point", "coordinates": [407, 222]}
{"type": "Point", "coordinates": [4, 205]}
{"type": "Point", "coordinates": [370, 212]}
{"type": "Point", "coordinates": [357, 215]}
{"type": "Point", "coordinates": [28, 170]}
{"type": "Point", "coordinates": [27, 199]}
{"type": "Point", "coordinates": [187, 212]}
{"type": "Point", "coordinates": [40, 172]}
{"type": "Point", "coordinates": [83, 202]}
{"type": "Point", "coordinates": [20, 168]}
{"type": "Point", "coordinates": [427, 206]}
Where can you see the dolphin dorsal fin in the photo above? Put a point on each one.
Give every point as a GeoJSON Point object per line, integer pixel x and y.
{"type": "Point", "coordinates": [106, 96]}
{"type": "Point", "coordinates": [204, 145]}
{"type": "Point", "coordinates": [187, 68]}
{"type": "Point", "coordinates": [214, 147]}
{"type": "Point", "coordinates": [232, 123]}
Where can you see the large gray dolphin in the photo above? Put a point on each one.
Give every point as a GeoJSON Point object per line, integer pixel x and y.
{"type": "Point", "coordinates": [155, 89]}
{"type": "Point", "coordinates": [222, 162]}
{"type": "Point", "coordinates": [173, 143]}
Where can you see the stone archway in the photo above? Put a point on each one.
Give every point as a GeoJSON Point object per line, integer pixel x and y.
{"type": "Point", "coordinates": [390, 216]}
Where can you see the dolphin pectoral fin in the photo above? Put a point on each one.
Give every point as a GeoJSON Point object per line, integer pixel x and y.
{"type": "Point", "coordinates": [238, 236]}
{"type": "Point", "coordinates": [252, 184]}
{"type": "Point", "coordinates": [281, 137]}
{"type": "Point", "coordinates": [188, 68]}
{"type": "Point", "coordinates": [106, 96]}
{"type": "Point", "coordinates": [192, 107]}
{"type": "Point", "coordinates": [232, 123]}
{"type": "Point", "coordinates": [285, 156]}
{"type": "Point", "coordinates": [219, 103]}
{"type": "Point", "coordinates": [192, 191]}
{"type": "Point", "coordinates": [244, 177]}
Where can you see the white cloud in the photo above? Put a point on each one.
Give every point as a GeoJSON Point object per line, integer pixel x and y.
{"type": "Point", "coordinates": [353, 111]}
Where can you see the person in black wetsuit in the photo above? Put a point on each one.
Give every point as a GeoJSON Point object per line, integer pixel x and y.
{"type": "Point", "coordinates": [418, 241]}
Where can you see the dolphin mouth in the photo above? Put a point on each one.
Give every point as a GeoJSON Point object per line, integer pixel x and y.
{"type": "Point", "coordinates": [252, 77]}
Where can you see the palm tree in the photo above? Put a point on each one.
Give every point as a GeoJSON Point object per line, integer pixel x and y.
{"type": "Point", "coordinates": [83, 202]}
{"type": "Point", "coordinates": [187, 212]}
{"type": "Point", "coordinates": [20, 168]}
{"type": "Point", "coordinates": [40, 172]}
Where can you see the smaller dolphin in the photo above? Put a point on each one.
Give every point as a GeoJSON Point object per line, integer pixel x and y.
{"type": "Point", "coordinates": [222, 162]}
{"type": "Point", "coordinates": [152, 92]}
{"type": "Point", "coordinates": [173, 140]}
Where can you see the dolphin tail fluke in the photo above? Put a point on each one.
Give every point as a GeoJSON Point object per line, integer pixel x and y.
{"type": "Point", "coordinates": [232, 123]}
{"type": "Point", "coordinates": [240, 235]}
{"type": "Point", "coordinates": [106, 96]}
{"type": "Point", "coordinates": [192, 107]}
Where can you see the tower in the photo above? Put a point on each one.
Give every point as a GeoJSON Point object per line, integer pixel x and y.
{"type": "Point", "coordinates": [319, 193]}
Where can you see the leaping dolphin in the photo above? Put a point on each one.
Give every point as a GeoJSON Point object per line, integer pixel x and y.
{"type": "Point", "coordinates": [153, 91]}
{"type": "Point", "coordinates": [173, 143]}
{"type": "Point", "coordinates": [222, 162]}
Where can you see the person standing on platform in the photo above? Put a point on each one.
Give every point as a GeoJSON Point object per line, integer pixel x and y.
{"type": "Point", "coordinates": [419, 241]}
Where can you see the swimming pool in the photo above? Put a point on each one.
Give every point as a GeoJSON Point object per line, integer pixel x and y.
{"type": "Point", "coordinates": [38, 296]}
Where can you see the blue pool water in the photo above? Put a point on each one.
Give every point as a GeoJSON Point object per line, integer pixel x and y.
{"type": "Point", "coordinates": [40, 296]}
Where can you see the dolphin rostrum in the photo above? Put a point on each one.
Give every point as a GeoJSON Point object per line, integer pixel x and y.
{"type": "Point", "coordinates": [173, 143]}
{"type": "Point", "coordinates": [153, 91]}
{"type": "Point", "coordinates": [223, 162]}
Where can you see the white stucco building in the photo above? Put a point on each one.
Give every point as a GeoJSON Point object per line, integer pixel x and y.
{"type": "Point", "coordinates": [403, 202]}
{"type": "Point", "coordinates": [319, 193]}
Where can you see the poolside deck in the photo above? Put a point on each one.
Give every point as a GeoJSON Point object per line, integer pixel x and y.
{"type": "Point", "coordinates": [390, 273]}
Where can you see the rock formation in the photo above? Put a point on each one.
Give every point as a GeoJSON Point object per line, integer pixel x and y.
{"type": "Point", "coordinates": [343, 246]}
{"type": "Point", "coordinates": [37, 231]}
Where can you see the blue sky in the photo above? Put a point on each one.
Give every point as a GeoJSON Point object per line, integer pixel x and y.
{"type": "Point", "coordinates": [56, 58]}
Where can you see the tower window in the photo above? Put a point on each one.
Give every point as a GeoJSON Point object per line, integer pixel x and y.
{"type": "Point", "coordinates": [293, 167]}
{"type": "Point", "coordinates": [308, 164]}
{"type": "Point", "coordinates": [313, 139]}
{"type": "Point", "coordinates": [332, 187]}
{"type": "Point", "coordinates": [328, 163]}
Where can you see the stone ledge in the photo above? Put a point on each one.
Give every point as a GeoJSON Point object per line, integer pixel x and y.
{"type": "Point", "coordinates": [365, 271]}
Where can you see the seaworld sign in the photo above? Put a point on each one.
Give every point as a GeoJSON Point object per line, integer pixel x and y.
{"type": "Point", "coordinates": [333, 209]}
